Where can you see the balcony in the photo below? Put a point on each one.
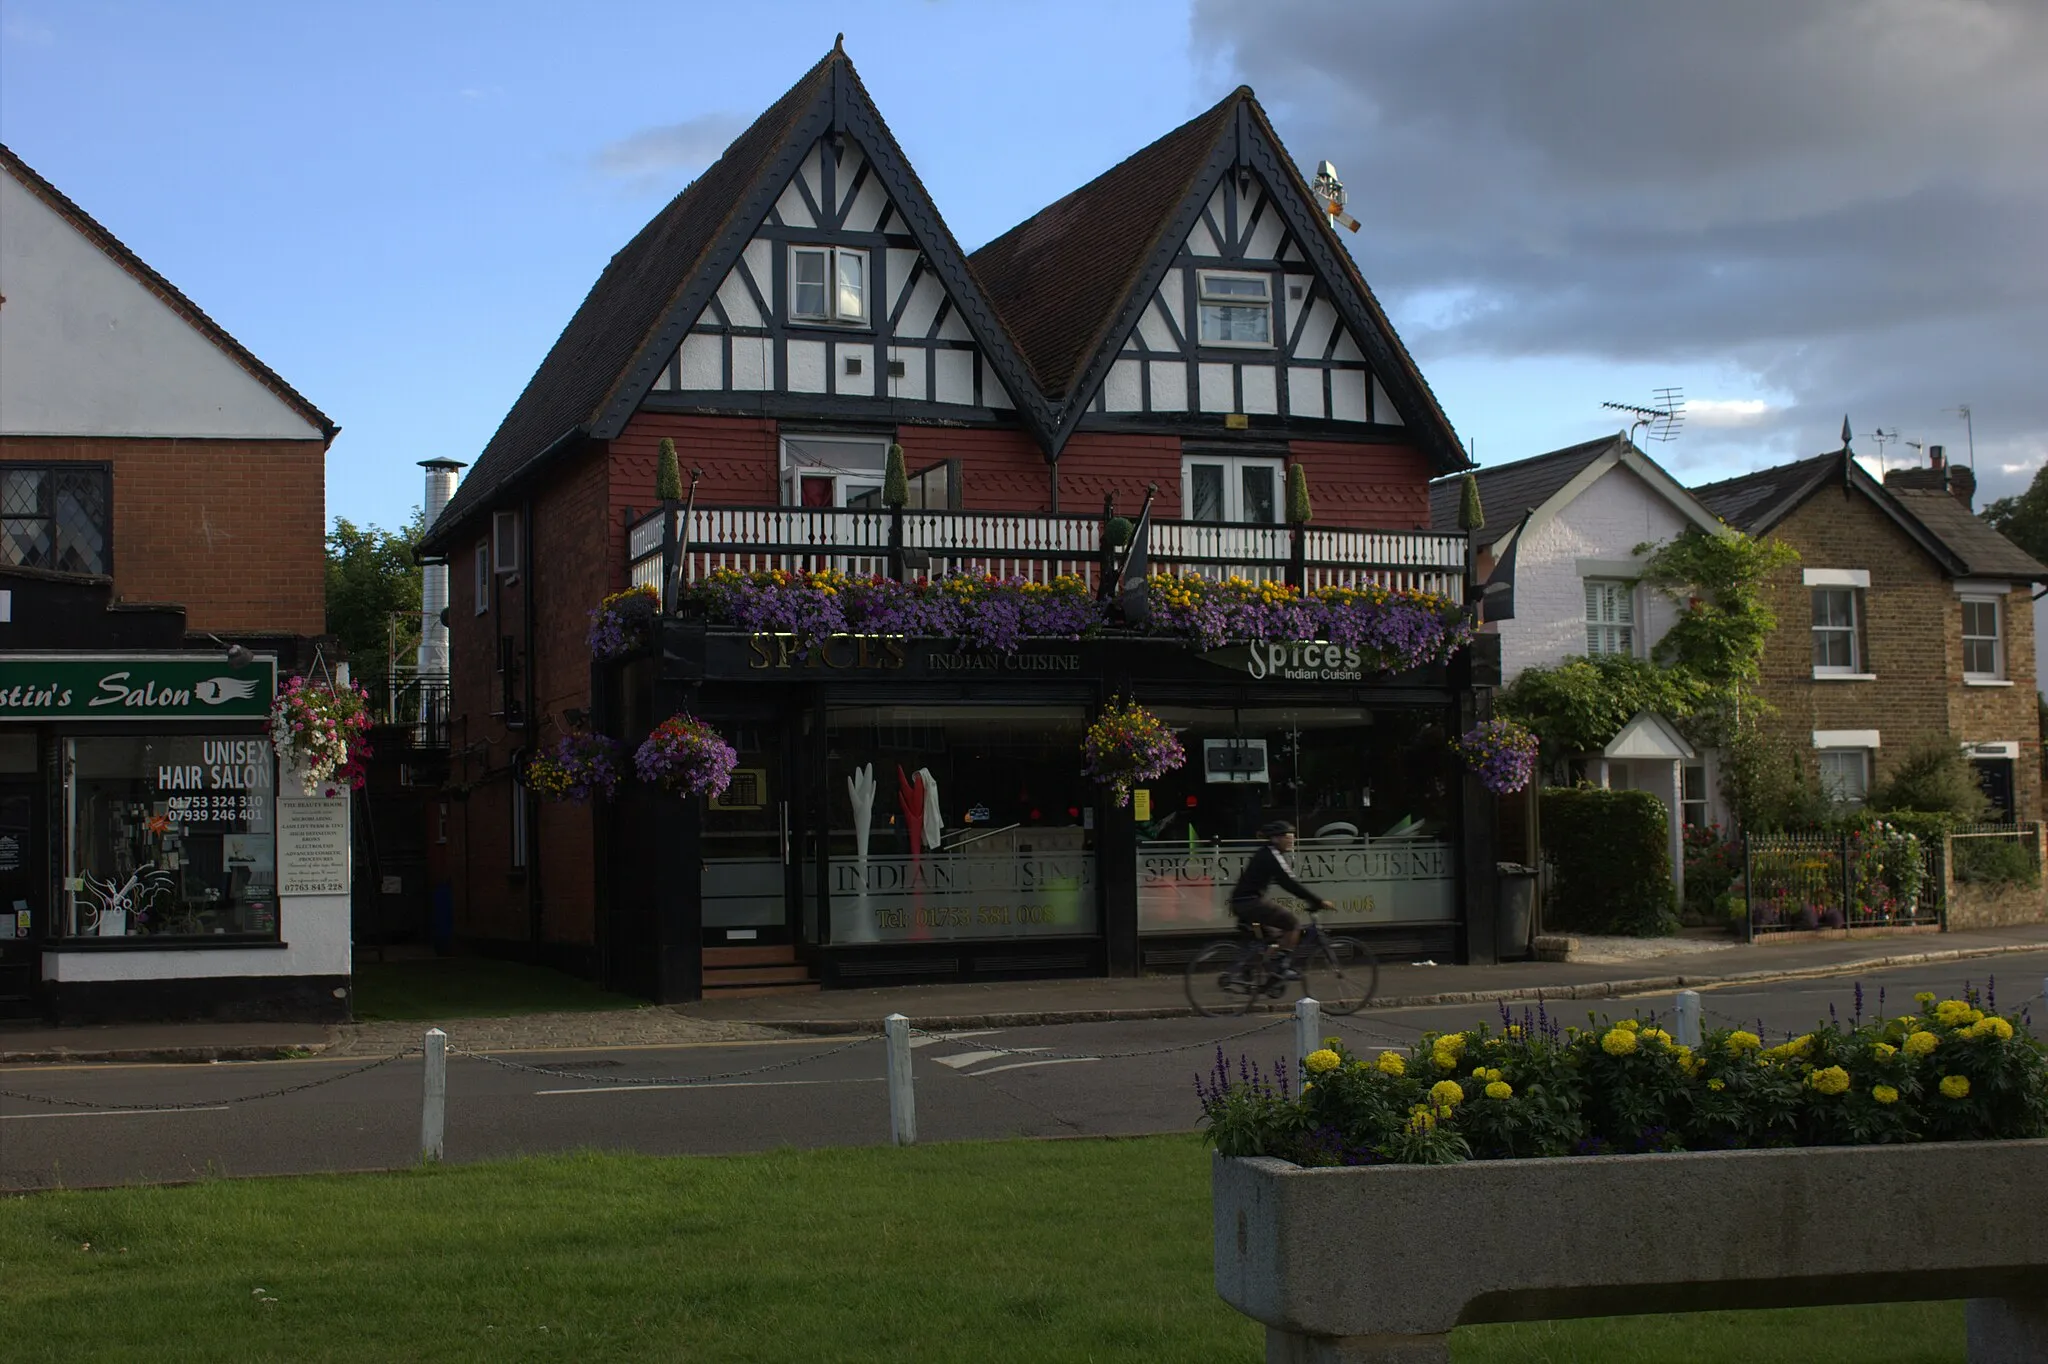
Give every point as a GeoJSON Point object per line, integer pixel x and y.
{"type": "Point", "coordinates": [912, 543]}
{"type": "Point", "coordinates": [417, 702]}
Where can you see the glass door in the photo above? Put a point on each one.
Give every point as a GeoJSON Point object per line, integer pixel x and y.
{"type": "Point", "coordinates": [24, 888]}
{"type": "Point", "coordinates": [748, 846]}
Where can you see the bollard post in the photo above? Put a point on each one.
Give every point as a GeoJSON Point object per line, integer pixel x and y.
{"type": "Point", "coordinates": [1686, 1028]}
{"type": "Point", "coordinates": [902, 1103]}
{"type": "Point", "coordinates": [434, 1110]}
{"type": "Point", "coordinates": [1308, 1026]}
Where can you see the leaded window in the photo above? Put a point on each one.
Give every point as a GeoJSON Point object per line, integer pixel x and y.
{"type": "Point", "coordinates": [56, 516]}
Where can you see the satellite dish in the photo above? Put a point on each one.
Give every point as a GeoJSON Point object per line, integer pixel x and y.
{"type": "Point", "coordinates": [1329, 192]}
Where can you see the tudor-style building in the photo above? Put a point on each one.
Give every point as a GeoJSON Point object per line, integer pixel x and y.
{"type": "Point", "coordinates": [1187, 323]}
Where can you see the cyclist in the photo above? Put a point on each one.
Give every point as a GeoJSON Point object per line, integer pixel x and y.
{"type": "Point", "coordinates": [1251, 902]}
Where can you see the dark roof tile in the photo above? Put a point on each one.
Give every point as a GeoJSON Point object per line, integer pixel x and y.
{"type": "Point", "coordinates": [1983, 551]}
{"type": "Point", "coordinates": [1508, 492]}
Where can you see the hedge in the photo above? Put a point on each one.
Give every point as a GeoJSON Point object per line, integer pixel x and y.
{"type": "Point", "coordinates": [1610, 862]}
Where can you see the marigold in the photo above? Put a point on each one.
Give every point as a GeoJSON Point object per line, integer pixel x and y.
{"type": "Point", "coordinates": [1421, 1120]}
{"type": "Point", "coordinates": [1921, 1043]}
{"type": "Point", "coordinates": [1391, 1063]}
{"type": "Point", "coordinates": [1500, 1089]}
{"type": "Point", "coordinates": [1952, 1013]}
{"type": "Point", "coordinates": [1884, 1051]}
{"type": "Point", "coordinates": [1322, 1059]}
{"type": "Point", "coordinates": [1989, 1027]}
{"type": "Point", "coordinates": [1832, 1080]}
{"type": "Point", "coordinates": [1717, 1085]}
{"type": "Point", "coordinates": [1739, 1041]}
{"type": "Point", "coordinates": [1629, 1023]}
{"type": "Point", "coordinates": [1955, 1086]}
{"type": "Point", "coordinates": [1618, 1042]}
{"type": "Point", "coordinates": [1655, 1035]}
{"type": "Point", "coordinates": [1884, 1094]}
{"type": "Point", "coordinates": [1446, 1093]}
{"type": "Point", "coordinates": [1924, 997]}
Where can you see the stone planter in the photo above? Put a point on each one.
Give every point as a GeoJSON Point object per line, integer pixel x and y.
{"type": "Point", "coordinates": [1376, 1264]}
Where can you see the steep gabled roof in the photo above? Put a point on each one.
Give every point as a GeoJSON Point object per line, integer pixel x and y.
{"type": "Point", "coordinates": [634, 317]}
{"type": "Point", "coordinates": [1072, 280]}
{"type": "Point", "coordinates": [1508, 492]}
{"type": "Point", "coordinates": [1753, 503]}
{"type": "Point", "coordinates": [90, 228]}
{"type": "Point", "coordinates": [1983, 552]}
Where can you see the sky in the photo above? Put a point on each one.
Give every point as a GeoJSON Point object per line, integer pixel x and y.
{"type": "Point", "coordinates": [1793, 213]}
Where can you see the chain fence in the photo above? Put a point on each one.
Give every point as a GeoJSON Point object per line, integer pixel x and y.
{"type": "Point", "coordinates": [1046, 1054]}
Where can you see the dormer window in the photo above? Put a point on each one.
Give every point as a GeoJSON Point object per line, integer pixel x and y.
{"type": "Point", "coordinates": [828, 284]}
{"type": "Point", "coordinates": [1237, 309]}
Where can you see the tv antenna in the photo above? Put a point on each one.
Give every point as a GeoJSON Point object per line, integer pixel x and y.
{"type": "Point", "coordinates": [1665, 419]}
{"type": "Point", "coordinates": [1882, 437]}
{"type": "Point", "coordinates": [1963, 410]}
{"type": "Point", "coordinates": [1329, 192]}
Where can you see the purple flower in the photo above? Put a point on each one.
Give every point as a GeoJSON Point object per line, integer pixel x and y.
{"type": "Point", "coordinates": [685, 754]}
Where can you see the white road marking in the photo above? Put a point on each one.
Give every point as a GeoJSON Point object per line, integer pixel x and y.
{"type": "Point", "coordinates": [969, 1058]}
{"type": "Point", "coordinates": [1020, 1065]}
{"type": "Point", "coordinates": [112, 1113]}
{"type": "Point", "coordinates": [926, 1039]}
{"type": "Point", "coordinates": [716, 1084]}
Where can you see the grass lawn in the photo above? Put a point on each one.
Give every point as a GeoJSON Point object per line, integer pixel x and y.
{"type": "Point", "coordinates": [1053, 1251]}
{"type": "Point", "coordinates": [472, 987]}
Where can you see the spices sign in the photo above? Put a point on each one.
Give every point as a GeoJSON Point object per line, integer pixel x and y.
{"type": "Point", "coordinates": [312, 846]}
{"type": "Point", "coordinates": [135, 687]}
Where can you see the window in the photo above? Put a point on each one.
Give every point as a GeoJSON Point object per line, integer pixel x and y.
{"type": "Point", "coordinates": [170, 837]}
{"type": "Point", "coordinates": [1231, 488]}
{"type": "Point", "coordinates": [56, 516]}
{"type": "Point", "coordinates": [828, 284]}
{"type": "Point", "coordinates": [1610, 616]}
{"type": "Point", "coordinates": [1845, 774]}
{"type": "Point", "coordinates": [833, 471]}
{"type": "Point", "coordinates": [1983, 651]}
{"type": "Point", "coordinates": [505, 541]}
{"type": "Point", "coordinates": [1692, 799]}
{"type": "Point", "coordinates": [1237, 310]}
{"type": "Point", "coordinates": [1837, 614]}
{"type": "Point", "coordinates": [483, 576]}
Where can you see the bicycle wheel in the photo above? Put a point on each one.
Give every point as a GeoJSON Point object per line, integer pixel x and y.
{"type": "Point", "coordinates": [1219, 981]}
{"type": "Point", "coordinates": [1341, 974]}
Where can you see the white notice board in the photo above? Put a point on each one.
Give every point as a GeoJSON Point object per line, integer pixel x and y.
{"type": "Point", "coordinates": [312, 846]}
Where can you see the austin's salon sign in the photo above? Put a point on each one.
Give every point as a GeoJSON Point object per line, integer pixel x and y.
{"type": "Point", "coordinates": [135, 687]}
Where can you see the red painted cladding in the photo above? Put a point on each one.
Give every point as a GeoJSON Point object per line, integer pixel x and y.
{"type": "Point", "coordinates": [1000, 470]}
{"type": "Point", "coordinates": [1379, 487]}
{"type": "Point", "coordinates": [1098, 462]}
{"type": "Point", "coordinates": [737, 454]}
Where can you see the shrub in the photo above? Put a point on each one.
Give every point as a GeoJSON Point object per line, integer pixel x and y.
{"type": "Point", "coordinates": [1611, 864]}
{"type": "Point", "coordinates": [1936, 778]}
{"type": "Point", "coordinates": [1991, 861]}
{"type": "Point", "coordinates": [1712, 866]}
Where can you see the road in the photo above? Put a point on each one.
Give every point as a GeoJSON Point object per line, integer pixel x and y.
{"type": "Point", "coordinates": [200, 1120]}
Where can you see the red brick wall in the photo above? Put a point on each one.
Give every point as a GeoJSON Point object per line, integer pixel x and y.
{"type": "Point", "coordinates": [1381, 487]}
{"type": "Point", "coordinates": [233, 530]}
{"type": "Point", "coordinates": [1099, 462]}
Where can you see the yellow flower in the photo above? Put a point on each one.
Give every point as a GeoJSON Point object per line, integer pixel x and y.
{"type": "Point", "coordinates": [1654, 1035]}
{"type": "Point", "coordinates": [1500, 1089]}
{"type": "Point", "coordinates": [1629, 1023]}
{"type": "Point", "coordinates": [2000, 1029]}
{"type": "Point", "coordinates": [1421, 1120]}
{"type": "Point", "coordinates": [1618, 1042]}
{"type": "Point", "coordinates": [1446, 1093]}
{"type": "Point", "coordinates": [1391, 1063]}
{"type": "Point", "coordinates": [1921, 1043]}
{"type": "Point", "coordinates": [1514, 1030]}
{"type": "Point", "coordinates": [1739, 1041]}
{"type": "Point", "coordinates": [1884, 1051]}
{"type": "Point", "coordinates": [1833, 1080]}
{"type": "Point", "coordinates": [1322, 1059]}
{"type": "Point", "coordinates": [1924, 997]}
{"type": "Point", "coordinates": [1952, 1012]}
{"type": "Point", "coordinates": [1717, 1085]}
{"type": "Point", "coordinates": [1955, 1086]}
{"type": "Point", "coordinates": [1884, 1094]}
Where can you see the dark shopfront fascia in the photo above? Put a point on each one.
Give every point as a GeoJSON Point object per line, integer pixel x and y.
{"type": "Point", "coordinates": [826, 840]}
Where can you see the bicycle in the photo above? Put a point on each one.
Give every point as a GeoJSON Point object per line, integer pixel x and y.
{"type": "Point", "coordinates": [1232, 974]}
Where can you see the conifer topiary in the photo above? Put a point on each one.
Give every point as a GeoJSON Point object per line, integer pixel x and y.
{"type": "Point", "coordinates": [668, 473]}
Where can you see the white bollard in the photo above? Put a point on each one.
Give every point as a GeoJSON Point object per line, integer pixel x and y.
{"type": "Point", "coordinates": [1308, 1027]}
{"type": "Point", "coordinates": [1686, 1027]}
{"type": "Point", "coordinates": [902, 1103]}
{"type": "Point", "coordinates": [434, 1111]}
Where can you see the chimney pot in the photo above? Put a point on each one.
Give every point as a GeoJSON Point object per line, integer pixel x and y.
{"type": "Point", "coordinates": [1937, 457]}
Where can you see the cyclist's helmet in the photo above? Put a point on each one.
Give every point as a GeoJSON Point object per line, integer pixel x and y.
{"type": "Point", "coordinates": [1275, 829]}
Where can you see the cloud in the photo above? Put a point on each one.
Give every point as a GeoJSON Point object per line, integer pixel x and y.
{"type": "Point", "coordinates": [657, 153]}
{"type": "Point", "coordinates": [1841, 200]}
{"type": "Point", "coordinates": [1725, 411]}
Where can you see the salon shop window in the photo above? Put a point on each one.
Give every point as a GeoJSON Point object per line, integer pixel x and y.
{"type": "Point", "coordinates": [170, 837]}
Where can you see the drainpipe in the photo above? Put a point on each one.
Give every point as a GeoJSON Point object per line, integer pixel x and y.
{"type": "Point", "coordinates": [531, 570]}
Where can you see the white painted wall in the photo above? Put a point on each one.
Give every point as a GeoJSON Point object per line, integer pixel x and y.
{"type": "Point", "coordinates": [1607, 521]}
{"type": "Point", "coordinates": [87, 350]}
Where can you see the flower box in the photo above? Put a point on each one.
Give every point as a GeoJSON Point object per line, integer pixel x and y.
{"type": "Point", "coordinates": [1377, 1263]}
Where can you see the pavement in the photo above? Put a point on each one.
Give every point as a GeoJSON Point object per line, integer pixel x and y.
{"type": "Point", "coordinates": [1687, 963]}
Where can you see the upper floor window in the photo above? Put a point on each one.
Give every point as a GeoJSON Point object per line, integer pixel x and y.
{"type": "Point", "coordinates": [1231, 488]}
{"type": "Point", "coordinates": [483, 576]}
{"type": "Point", "coordinates": [1237, 309]}
{"type": "Point", "coordinates": [1610, 616]}
{"type": "Point", "coordinates": [828, 284]}
{"type": "Point", "coordinates": [833, 471]}
{"type": "Point", "coordinates": [1837, 636]}
{"type": "Point", "coordinates": [56, 516]}
{"type": "Point", "coordinates": [1983, 650]}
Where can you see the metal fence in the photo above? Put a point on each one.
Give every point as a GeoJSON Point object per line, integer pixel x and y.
{"type": "Point", "coordinates": [1867, 878]}
{"type": "Point", "coordinates": [1996, 854]}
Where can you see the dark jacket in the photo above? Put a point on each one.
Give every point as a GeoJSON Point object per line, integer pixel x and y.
{"type": "Point", "coordinates": [1262, 873]}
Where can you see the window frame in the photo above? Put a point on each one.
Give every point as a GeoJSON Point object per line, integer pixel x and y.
{"type": "Point", "coordinates": [1863, 756]}
{"type": "Point", "coordinates": [833, 315]}
{"type": "Point", "coordinates": [1204, 300]}
{"type": "Point", "coordinates": [1853, 630]}
{"type": "Point", "coordinates": [791, 475]}
{"type": "Point", "coordinates": [105, 470]}
{"type": "Point", "coordinates": [1622, 590]}
{"type": "Point", "coordinates": [482, 590]}
{"type": "Point", "coordinates": [1688, 803]}
{"type": "Point", "coordinates": [1233, 466]}
{"type": "Point", "coordinates": [1996, 639]}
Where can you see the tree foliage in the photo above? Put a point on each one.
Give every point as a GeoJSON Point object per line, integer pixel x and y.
{"type": "Point", "coordinates": [1577, 706]}
{"type": "Point", "coordinates": [1934, 778]}
{"type": "Point", "coordinates": [2024, 519]}
{"type": "Point", "coordinates": [373, 584]}
{"type": "Point", "coordinates": [1718, 583]}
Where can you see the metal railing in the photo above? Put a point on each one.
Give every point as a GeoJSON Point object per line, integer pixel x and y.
{"type": "Point", "coordinates": [1860, 879]}
{"type": "Point", "coordinates": [1036, 546]}
{"type": "Point", "coordinates": [418, 700]}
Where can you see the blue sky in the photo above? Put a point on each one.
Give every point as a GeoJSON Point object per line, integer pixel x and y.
{"type": "Point", "coordinates": [398, 206]}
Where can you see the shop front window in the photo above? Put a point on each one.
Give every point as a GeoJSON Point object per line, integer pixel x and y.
{"type": "Point", "coordinates": [959, 822]}
{"type": "Point", "coordinates": [1368, 791]}
{"type": "Point", "coordinates": [170, 837]}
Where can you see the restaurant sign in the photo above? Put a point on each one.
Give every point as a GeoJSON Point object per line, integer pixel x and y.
{"type": "Point", "coordinates": [135, 687]}
{"type": "Point", "coordinates": [1301, 660]}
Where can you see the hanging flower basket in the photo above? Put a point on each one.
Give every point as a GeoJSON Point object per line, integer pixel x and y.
{"type": "Point", "coordinates": [579, 767]}
{"type": "Point", "coordinates": [320, 728]}
{"type": "Point", "coordinates": [685, 755]}
{"type": "Point", "coordinates": [623, 623]}
{"type": "Point", "coordinates": [1501, 752]}
{"type": "Point", "coordinates": [1128, 745]}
